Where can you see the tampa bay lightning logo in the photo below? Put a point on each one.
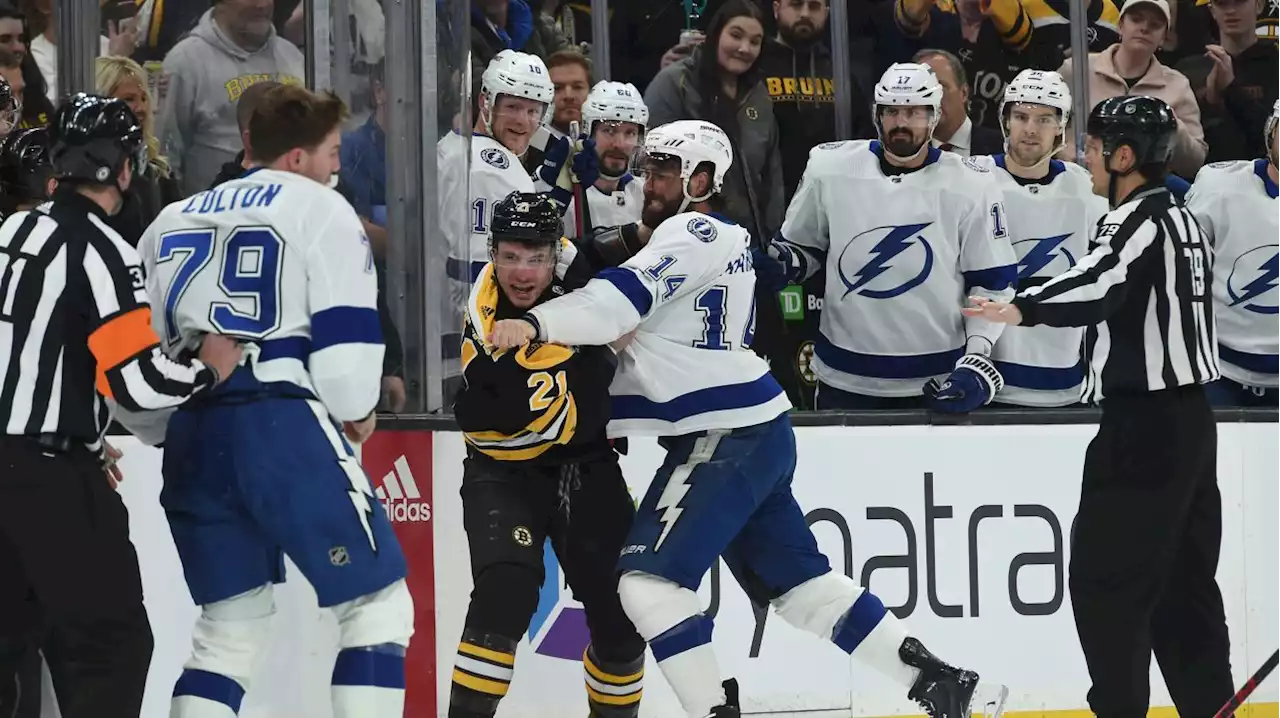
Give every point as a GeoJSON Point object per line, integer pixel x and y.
{"type": "Point", "coordinates": [1040, 253]}
{"type": "Point", "coordinates": [703, 229]}
{"type": "Point", "coordinates": [900, 259]}
{"type": "Point", "coordinates": [495, 157]}
{"type": "Point", "coordinates": [1253, 280]}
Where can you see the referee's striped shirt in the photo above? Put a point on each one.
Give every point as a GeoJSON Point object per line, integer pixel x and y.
{"type": "Point", "coordinates": [75, 326]}
{"type": "Point", "coordinates": [1144, 293]}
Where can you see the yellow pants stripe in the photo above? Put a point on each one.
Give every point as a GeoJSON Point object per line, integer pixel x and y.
{"type": "Point", "coordinates": [488, 654]}
{"type": "Point", "coordinates": [603, 677]}
{"type": "Point", "coordinates": [609, 700]}
{"type": "Point", "coordinates": [480, 685]}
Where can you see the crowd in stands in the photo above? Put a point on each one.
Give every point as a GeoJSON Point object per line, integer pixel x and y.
{"type": "Point", "coordinates": [760, 69]}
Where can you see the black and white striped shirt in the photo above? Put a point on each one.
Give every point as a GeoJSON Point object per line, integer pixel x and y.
{"type": "Point", "coordinates": [75, 326]}
{"type": "Point", "coordinates": [1144, 292]}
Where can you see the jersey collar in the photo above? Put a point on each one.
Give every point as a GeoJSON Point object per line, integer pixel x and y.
{"type": "Point", "coordinates": [1260, 169]}
{"type": "Point", "coordinates": [1056, 167]}
{"type": "Point", "coordinates": [933, 156]}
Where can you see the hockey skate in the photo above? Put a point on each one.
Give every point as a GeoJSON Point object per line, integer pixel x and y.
{"type": "Point", "coordinates": [730, 708]}
{"type": "Point", "coordinates": [942, 690]}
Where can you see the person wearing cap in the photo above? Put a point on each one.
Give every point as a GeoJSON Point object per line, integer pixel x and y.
{"type": "Point", "coordinates": [1130, 67]}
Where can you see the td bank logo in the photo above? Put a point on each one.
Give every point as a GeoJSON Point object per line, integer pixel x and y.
{"type": "Point", "coordinates": [401, 497]}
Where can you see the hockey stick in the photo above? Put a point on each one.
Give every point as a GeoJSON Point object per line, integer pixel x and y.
{"type": "Point", "coordinates": [578, 196]}
{"type": "Point", "coordinates": [1249, 687]}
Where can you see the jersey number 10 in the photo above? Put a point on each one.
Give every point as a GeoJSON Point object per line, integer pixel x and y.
{"type": "Point", "coordinates": [250, 272]}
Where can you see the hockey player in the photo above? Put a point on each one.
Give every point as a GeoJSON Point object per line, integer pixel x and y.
{"type": "Point", "coordinates": [905, 232]}
{"type": "Point", "coordinates": [1235, 203]}
{"type": "Point", "coordinates": [1052, 213]}
{"type": "Point", "coordinates": [26, 172]}
{"type": "Point", "coordinates": [261, 469]}
{"type": "Point", "coordinates": [615, 118]}
{"type": "Point", "coordinates": [538, 467]}
{"type": "Point", "coordinates": [725, 487]}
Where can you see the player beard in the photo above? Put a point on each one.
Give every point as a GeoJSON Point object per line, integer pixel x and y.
{"type": "Point", "coordinates": [614, 164]}
{"type": "Point", "coordinates": [902, 143]}
{"type": "Point", "coordinates": [658, 210]}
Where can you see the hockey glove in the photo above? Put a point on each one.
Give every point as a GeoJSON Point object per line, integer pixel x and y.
{"type": "Point", "coordinates": [586, 165]}
{"type": "Point", "coordinates": [972, 384]}
{"type": "Point", "coordinates": [553, 162]}
{"type": "Point", "coordinates": [775, 266]}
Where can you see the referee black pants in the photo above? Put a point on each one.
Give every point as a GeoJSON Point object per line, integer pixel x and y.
{"type": "Point", "coordinates": [1144, 555]}
{"type": "Point", "coordinates": [64, 542]}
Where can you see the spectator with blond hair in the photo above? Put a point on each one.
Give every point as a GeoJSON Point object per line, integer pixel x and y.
{"type": "Point", "coordinates": [155, 187]}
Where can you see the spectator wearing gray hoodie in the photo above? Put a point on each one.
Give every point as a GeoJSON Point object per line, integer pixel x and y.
{"type": "Point", "coordinates": [232, 47]}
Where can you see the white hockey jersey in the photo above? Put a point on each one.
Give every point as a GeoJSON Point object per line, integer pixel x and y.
{"type": "Point", "coordinates": [1050, 223]}
{"type": "Point", "coordinates": [1235, 203]}
{"type": "Point", "coordinates": [622, 206]}
{"type": "Point", "coordinates": [690, 293]}
{"type": "Point", "coordinates": [902, 253]}
{"type": "Point", "coordinates": [280, 260]}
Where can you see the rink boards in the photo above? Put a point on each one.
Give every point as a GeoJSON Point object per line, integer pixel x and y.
{"type": "Point", "coordinates": [963, 531]}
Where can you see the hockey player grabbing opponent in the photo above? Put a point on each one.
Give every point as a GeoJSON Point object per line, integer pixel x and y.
{"type": "Point", "coordinates": [260, 469]}
{"type": "Point", "coordinates": [538, 467]}
{"type": "Point", "coordinates": [1235, 204]}
{"type": "Point", "coordinates": [1052, 213]}
{"type": "Point", "coordinates": [905, 231]}
{"type": "Point", "coordinates": [689, 377]}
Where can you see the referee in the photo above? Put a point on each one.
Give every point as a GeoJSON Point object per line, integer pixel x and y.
{"type": "Point", "coordinates": [1149, 528]}
{"type": "Point", "coordinates": [75, 331]}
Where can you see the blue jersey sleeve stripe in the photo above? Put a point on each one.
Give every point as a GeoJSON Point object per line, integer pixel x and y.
{"type": "Point", "coordinates": [1039, 378]}
{"type": "Point", "coordinates": [702, 401]}
{"type": "Point", "coordinates": [995, 278]}
{"type": "Point", "coordinates": [1258, 363]}
{"type": "Point", "coordinates": [285, 348]}
{"type": "Point", "coordinates": [631, 287]}
{"type": "Point", "coordinates": [345, 325]}
{"type": "Point", "coordinates": [909, 366]}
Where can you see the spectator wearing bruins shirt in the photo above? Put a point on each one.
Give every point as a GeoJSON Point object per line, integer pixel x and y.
{"type": "Point", "coordinates": [538, 467]}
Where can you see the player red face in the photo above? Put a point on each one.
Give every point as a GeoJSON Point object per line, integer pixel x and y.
{"type": "Point", "coordinates": [514, 121]}
{"type": "Point", "coordinates": [616, 143]}
{"type": "Point", "coordinates": [524, 272]}
{"type": "Point", "coordinates": [1032, 133]}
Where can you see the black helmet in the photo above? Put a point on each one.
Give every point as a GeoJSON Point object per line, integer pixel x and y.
{"type": "Point", "coordinates": [10, 107]}
{"type": "Point", "coordinates": [91, 138]}
{"type": "Point", "coordinates": [527, 218]}
{"type": "Point", "coordinates": [1146, 124]}
{"type": "Point", "coordinates": [24, 164]}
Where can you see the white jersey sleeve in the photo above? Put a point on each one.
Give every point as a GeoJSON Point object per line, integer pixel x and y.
{"type": "Point", "coordinates": [805, 229]}
{"type": "Point", "coordinates": [987, 260]}
{"type": "Point", "coordinates": [684, 254]}
{"type": "Point", "coordinates": [346, 332]}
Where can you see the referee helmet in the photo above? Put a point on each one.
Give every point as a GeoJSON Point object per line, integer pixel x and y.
{"type": "Point", "coordinates": [92, 137]}
{"type": "Point", "coordinates": [1147, 125]}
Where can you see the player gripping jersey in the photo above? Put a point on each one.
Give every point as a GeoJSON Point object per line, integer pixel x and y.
{"type": "Point", "coordinates": [1235, 204]}
{"type": "Point", "coordinates": [690, 377]}
{"type": "Point", "coordinates": [261, 469]}
{"type": "Point", "coordinates": [1052, 214]}
{"type": "Point", "coordinates": [905, 231]}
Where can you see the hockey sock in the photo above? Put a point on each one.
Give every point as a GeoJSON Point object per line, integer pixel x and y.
{"type": "Point", "coordinates": [368, 682]}
{"type": "Point", "coordinates": [201, 694]}
{"type": "Point", "coordinates": [482, 674]}
{"type": "Point", "coordinates": [613, 689]}
{"type": "Point", "coordinates": [688, 662]}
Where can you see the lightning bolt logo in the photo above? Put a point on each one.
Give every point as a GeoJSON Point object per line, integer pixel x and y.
{"type": "Point", "coordinates": [669, 502]}
{"type": "Point", "coordinates": [361, 496]}
{"type": "Point", "coordinates": [1268, 274]}
{"type": "Point", "coordinates": [897, 241]}
{"type": "Point", "coordinates": [1041, 254]}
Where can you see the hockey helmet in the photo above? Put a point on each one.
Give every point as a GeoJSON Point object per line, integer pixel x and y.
{"type": "Point", "coordinates": [614, 102]}
{"type": "Point", "coordinates": [1270, 130]}
{"type": "Point", "coordinates": [91, 138]}
{"type": "Point", "coordinates": [907, 84]}
{"type": "Point", "coordinates": [517, 74]}
{"type": "Point", "coordinates": [1038, 87]}
{"type": "Point", "coordinates": [692, 142]}
{"type": "Point", "coordinates": [529, 218]}
{"type": "Point", "coordinates": [10, 108]}
{"type": "Point", "coordinates": [25, 168]}
{"type": "Point", "coordinates": [1146, 124]}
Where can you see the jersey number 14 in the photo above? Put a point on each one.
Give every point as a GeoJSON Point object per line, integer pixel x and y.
{"type": "Point", "coordinates": [249, 272]}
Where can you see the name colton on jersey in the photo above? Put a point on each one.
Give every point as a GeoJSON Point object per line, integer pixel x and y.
{"type": "Point", "coordinates": [401, 497]}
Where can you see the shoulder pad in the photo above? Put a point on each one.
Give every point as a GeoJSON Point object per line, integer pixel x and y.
{"type": "Point", "coordinates": [974, 164]}
{"type": "Point", "coordinates": [1221, 165]}
{"type": "Point", "coordinates": [702, 228]}
{"type": "Point", "coordinates": [831, 145]}
{"type": "Point", "coordinates": [495, 157]}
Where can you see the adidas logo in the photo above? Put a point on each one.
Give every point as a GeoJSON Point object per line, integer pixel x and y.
{"type": "Point", "coordinates": [400, 496]}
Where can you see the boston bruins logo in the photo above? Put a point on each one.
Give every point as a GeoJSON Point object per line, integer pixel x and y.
{"type": "Point", "coordinates": [804, 364]}
{"type": "Point", "coordinates": [522, 536]}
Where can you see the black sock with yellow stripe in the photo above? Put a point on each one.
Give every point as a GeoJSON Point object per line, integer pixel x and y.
{"type": "Point", "coordinates": [613, 689]}
{"type": "Point", "coordinates": [482, 674]}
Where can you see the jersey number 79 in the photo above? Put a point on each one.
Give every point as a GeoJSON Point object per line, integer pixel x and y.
{"type": "Point", "coordinates": [249, 272]}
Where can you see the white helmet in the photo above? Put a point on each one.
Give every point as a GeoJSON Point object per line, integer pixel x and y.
{"type": "Point", "coordinates": [614, 102]}
{"type": "Point", "coordinates": [1038, 87]}
{"type": "Point", "coordinates": [1271, 129]}
{"type": "Point", "coordinates": [693, 142]}
{"type": "Point", "coordinates": [909, 83]}
{"type": "Point", "coordinates": [520, 75]}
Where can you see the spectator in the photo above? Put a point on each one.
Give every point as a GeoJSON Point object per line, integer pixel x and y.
{"type": "Point", "coordinates": [720, 83]}
{"type": "Point", "coordinates": [498, 25]}
{"type": "Point", "coordinates": [1130, 68]}
{"type": "Point", "coordinates": [13, 31]}
{"type": "Point", "coordinates": [155, 188]}
{"type": "Point", "coordinates": [570, 72]}
{"type": "Point", "coordinates": [19, 67]}
{"type": "Point", "coordinates": [364, 166]}
{"type": "Point", "coordinates": [249, 100]}
{"type": "Point", "coordinates": [645, 37]}
{"type": "Point", "coordinates": [233, 46]}
{"type": "Point", "coordinates": [122, 39]}
{"type": "Point", "coordinates": [955, 131]}
{"type": "Point", "coordinates": [161, 25]}
{"type": "Point", "coordinates": [1235, 83]}
{"type": "Point", "coordinates": [1051, 34]}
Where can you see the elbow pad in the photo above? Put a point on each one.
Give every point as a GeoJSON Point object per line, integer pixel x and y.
{"type": "Point", "coordinates": [615, 245]}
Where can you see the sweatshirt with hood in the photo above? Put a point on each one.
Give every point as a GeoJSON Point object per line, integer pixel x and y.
{"type": "Point", "coordinates": [207, 74]}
